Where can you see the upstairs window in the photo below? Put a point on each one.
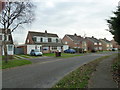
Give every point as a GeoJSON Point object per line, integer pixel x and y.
{"type": "Point", "coordinates": [53, 39]}
{"type": "Point", "coordinates": [49, 40]}
{"type": "Point", "coordinates": [34, 39]}
{"type": "Point", "coordinates": [95, 43]}
{"type": "Point", "coordinates": [45, 39]}
{"type": "Point", "coordinates": [38, 39]}
{"type": "Point", "coordinates": [66, 42]}
{"type": "Point", "coordinates": [57, 40]}
{"type": "Point", "coordinates": [100, 43]}
{"type": "Point", "coordinates": [0, 37]}
{"type": "Point", "coordinates": [41, 40]}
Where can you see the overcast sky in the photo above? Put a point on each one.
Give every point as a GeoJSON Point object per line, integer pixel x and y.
{"type": "Point", "coordinates": [70, 16]}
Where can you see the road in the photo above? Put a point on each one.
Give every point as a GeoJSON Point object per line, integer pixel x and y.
{"type": "Point", "coordinates": [44, 74]}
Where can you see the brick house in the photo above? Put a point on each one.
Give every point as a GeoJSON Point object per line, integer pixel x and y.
{"type": "Point", "coordinates": [10, 45]}
{"type": "Point", "coordinates": [75, 41]}
{"type": "Point", "coordinates": [115, 44]}
{"type": "Point", "coordinates": [93, 44]}
{"type": "Point", "coordinates": [43, 41]}
{"type": "Point", "coordinates": [106, 45]}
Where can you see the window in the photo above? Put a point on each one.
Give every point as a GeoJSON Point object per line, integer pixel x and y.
{"type": "Point", "coordinates": [66, 42]}
{"type": "Point", "coordinates": [57, 40]}
{"type": "Point", "coordinates": [9, 38]}
{"type": "Point", "coordinates": [53, 39]}
{"type": "Point", "coordinates": [49, 40]}
{"type": "Point", "coordinates": [95, 48]}
{"type": "Point", "coordinates": [54, 48]}
{"type": "Point", "coordinates": [34, 39]}
{"type": "Point", "coordinates": [100, 48]}
{"type": "Point", "coordinates": [38, 39]}
{"type": "Point", "coordinates": [100, 43]}
{"type": "Point", "coordinates": [95, 43]}
{"type": "Point", "coordinates": [41, 40]}
{"type": "Point", "coordinates": [28, 41]}
{"type": "Point", "coordinates": [0, 37]}
{"type": "Point", "coordinates": [45, 39]}
{"type": "Point", "coordinates": [10, 47]}
{"type": "Point", "coordinates": [107, 45]}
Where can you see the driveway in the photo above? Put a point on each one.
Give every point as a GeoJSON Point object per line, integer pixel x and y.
{"type": "Point", "coordinates": [44, 74]}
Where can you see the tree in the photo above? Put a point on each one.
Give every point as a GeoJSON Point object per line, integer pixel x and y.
{"type": "Point", "coordinates": [114, 25]}
{"type": "Point", "coordinates": [13, 15]}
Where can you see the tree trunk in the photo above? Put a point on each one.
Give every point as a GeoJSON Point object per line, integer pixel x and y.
{"type": "Point", "coordinates": [5, 47]}
{"type": "Point", "coordinates": [5, 52]}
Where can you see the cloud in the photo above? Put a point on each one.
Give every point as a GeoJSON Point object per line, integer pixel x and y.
{"type": "Point", "coordinates": [73, 16]}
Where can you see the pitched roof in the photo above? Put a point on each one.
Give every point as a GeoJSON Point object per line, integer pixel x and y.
{"type": "Point", "coordinates": [75, 38]}
{"type": "Point", "coordinates": [43, 34]}
{"type": "Point", "coordinates": [94, 40]}
{"type": "Point", "coordinates": [105, 40]}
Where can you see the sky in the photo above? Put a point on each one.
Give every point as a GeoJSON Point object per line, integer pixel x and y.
{"type": "Point", "coordinates": [83, 17]}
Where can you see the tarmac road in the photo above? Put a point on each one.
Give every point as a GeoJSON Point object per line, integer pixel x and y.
{"type": "Point", "coordinates": [44, 74]}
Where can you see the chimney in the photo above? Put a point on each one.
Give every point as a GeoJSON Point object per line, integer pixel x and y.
{"type": "Point", "coordinates": [46, 31]}
{"type": "Point", "coordinates": [105, 39]}
{"type": "Point", "coordinates": [75, 34]}
{"type": "Point", "coordinates": [92, 36]}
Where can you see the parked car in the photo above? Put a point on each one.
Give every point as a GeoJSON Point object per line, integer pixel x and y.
{"type": "Point", "coordinates": [70, 51]}
{"type": "Point", "coordinates": [35, 52]}
{"type": "Point", "coordinates": [115, 49]}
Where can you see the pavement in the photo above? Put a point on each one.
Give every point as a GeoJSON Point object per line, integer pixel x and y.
{"type": "Point", "coordinates": [45, 73]}
{"type": "Point", "coordinates": [102, 77]}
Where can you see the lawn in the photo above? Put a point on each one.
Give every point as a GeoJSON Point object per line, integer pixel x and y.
{"type": "Point", "coordinates": [80, 77]}
{"type": "Point", "coordinates": [14, 63]}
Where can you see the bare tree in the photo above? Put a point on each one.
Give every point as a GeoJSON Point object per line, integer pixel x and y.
{"type": "Point", "coordinates": [13, 15]}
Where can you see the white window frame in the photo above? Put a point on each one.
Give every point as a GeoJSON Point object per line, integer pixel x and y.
{"type": "Point", "coordinates": [45, 39]}
{"type": "Point", "coordinates": [38, 39]}
{"type": "Point", "coordinates": [66, 42]}
{"type": "Point", "coordinates": [100, 43]}
{"type": "Point", "coordinates": [54, 40]}
{"type": "Point", "coordinates": [95, 43]}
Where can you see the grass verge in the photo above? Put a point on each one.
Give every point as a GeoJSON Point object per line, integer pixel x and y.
{"type": "Point", "coordinates": [116, 70]}
{"type": "Point", "coordinates": [63, 55]}
{"type": "Point", "coordinates": [79, 78]}
{"type": "Point", "coordinates": [14, 63]}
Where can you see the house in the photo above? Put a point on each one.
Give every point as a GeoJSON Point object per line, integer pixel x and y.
{"type": "Point", "coordinates": [75, 41]}
{"type": "Point", "coordinates": [93, 44]}
{"type": "Point", "coordinates": [9, 43]}
{"type": "Point", "coordinates": [106, 45]}
{"type": "Point", "coordinates": [115, 44]}
{"type": "Point", "coordinates": [43, 41]}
